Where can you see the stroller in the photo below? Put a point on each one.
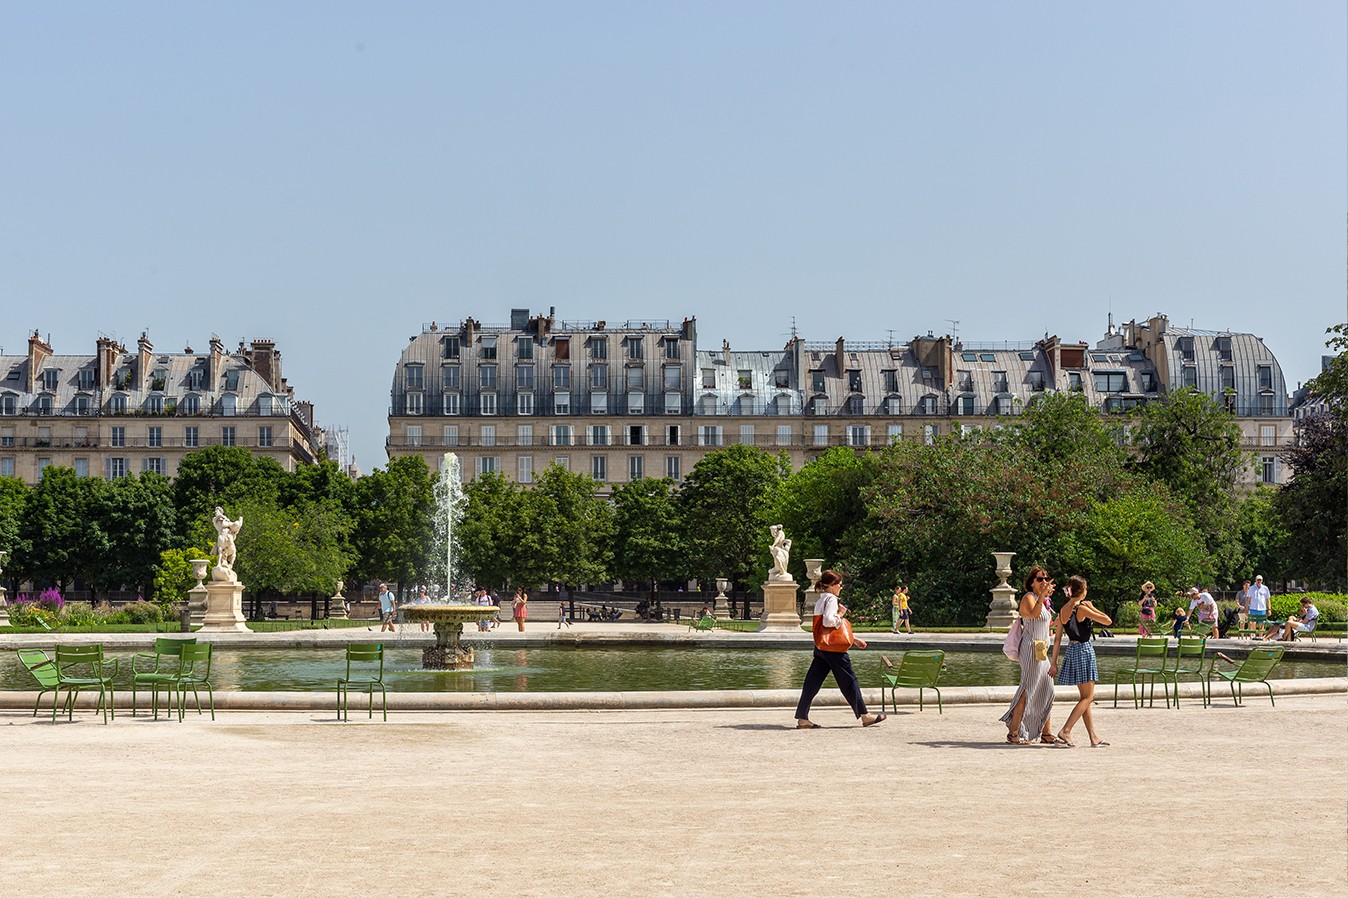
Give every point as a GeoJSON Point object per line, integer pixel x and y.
{"type": "Point", "coordinates": [1228, 621]}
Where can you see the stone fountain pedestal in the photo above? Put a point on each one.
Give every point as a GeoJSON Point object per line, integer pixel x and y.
{"type": "Point", "coordinates": [449, 652]}
{"type": "Point", "coordinates": [779, 606]}
{"type": "Point", "coordinates": [224, 604]}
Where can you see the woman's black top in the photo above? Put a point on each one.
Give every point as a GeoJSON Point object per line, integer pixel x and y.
{"type": "Point", "coordinates": [1079, 630]}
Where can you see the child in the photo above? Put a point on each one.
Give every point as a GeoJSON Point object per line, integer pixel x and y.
{"type": "Point", "coordinates": [1181, 618]}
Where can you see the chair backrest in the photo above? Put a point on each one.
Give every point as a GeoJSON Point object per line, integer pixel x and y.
{"type": "Point", "coordinates": [40, 666]}
{"type": "Point", "coordinates": [195, 660]}
{"type": "Point", "coordinates": [68, 656]}
{"type": "Point", "coordinates": [172, 647]}
{"type": "Point", "coordinates": [1259, 663]}
{"type": "Point", "coordinates": [364, 653]}
{"type": "Point", "coordinates": [1153, 647]}
{"type": "Point", "coordinates": [1191, 647]}
{"type": "Point", "coordinates": [920, 668]}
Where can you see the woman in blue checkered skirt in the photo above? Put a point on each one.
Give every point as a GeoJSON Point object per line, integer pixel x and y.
{"type": "Point", "coordinates": [1077, 619]}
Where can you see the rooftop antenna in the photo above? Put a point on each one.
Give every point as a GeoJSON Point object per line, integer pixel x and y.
{"type": "Point", "coordinates": [794, 333]}
{"type": "Point", "coordinates": [891, 337]}
{"type": "Point", "coordinates": [954, 329]}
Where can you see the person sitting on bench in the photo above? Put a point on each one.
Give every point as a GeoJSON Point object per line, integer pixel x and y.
{"type": "Point", "coordinates": [1309, 617]}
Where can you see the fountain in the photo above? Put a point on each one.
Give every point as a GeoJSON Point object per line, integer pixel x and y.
{"type": "Point", "coordinates": [450, 614]}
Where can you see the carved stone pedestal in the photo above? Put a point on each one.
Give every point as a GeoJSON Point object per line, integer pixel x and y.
{"type": "Point", "coordinates": [224, 606]}
{"type": "Point", "coordinates": [779, 606]}
{"type": "Point", "coordinates": [1002, 610]}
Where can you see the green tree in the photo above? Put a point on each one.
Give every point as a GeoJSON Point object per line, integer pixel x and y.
{"type": "Point", "coordinates": [137, 515]}
{"type": "Point", "coordinates": [14, 495]}
{"type": "Point", "coordinates": [724, 505]}
{"type": "Point", "coordinates": [63, 528]}
{"type": "Point", "coordinates": [1064, 430]}
{"type": "Point", "coordinates": [291, 550]}
{"type": "Point", "coordinates": [501, 538]}
{"type": "Point", "coordinates": [577, 527]}
{"type": "Point", "coordinates": [395, 521]}
{"type": "Point", "coordinates": [647, 546]}
{"type": "Point", "coordinates": [222, 475]}
{"type": "Point", "coordinates": [822, 509]}
{"type": "Point", "coordinates": [1263, 537]}
{"type": "Point", "coordinates": [173, 576]}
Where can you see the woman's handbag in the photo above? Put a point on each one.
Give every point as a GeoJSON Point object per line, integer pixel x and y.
{"type": "Point", "coordinates": [832, 639]}
{"type": "Point", "coordinates": [1011, 644]}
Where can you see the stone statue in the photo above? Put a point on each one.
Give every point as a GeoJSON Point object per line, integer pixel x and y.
{"type": "Point", "coordinates": [781, 554]}
{"type": "Point", "coordinates": [225, 530]}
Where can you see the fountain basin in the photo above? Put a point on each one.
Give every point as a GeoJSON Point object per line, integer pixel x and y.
{"type": "Point", "coordinates": [449, 652]}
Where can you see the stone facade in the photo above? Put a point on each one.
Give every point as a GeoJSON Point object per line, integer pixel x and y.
{"type": "Point", "coordinates": [620, 401]}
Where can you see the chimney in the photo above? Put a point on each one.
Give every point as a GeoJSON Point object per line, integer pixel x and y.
{"type": "Point", "coordinates": [470, 327]}
{"type": "Point", "coordinates": [108, 351]}
{"type": "Point", "coordinates": [144, 356]}
{"type": "Point", "coordinates": [840, 356]}
{"type": "Point", "coordinates": [215, 364]}
{"type": "Point", "coordinates": [725, 352]}
{"type": "Point", "coordinates": [38, 353]}
{"type": "Point", "coordinates": [267, 362]}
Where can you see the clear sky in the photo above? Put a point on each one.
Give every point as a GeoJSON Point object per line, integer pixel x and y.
{"type": "Point", "coordinates": [331, 175]}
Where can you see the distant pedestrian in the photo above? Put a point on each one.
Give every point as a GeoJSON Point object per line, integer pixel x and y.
{"type": "Point", "coordinates": [829, 615]}
{"type": "Point", "coordinates": [423, 599]}
{"type": "Point", "coordinates": [519, 607]}
{"type": "Point", "coordinates": [388, 609]}
{"type": "Point", "coordinates": [900, 612]}
{"type": "Point", "coordinates": [1146, 613]}
{"type": "Point", "coordinates": [1259, 602]}
{"type": "Point", "coordinates": [561, 615]}
{"type": "Point", "coordinates": [1033, 701]}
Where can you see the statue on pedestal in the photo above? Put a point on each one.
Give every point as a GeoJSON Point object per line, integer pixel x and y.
{"type": "Point", "coordinates": [781, 554]}
{"type": "Point", "coordinates": [225, 532]}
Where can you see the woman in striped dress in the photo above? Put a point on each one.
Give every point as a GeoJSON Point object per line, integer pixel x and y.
{"type": "Point", "coordinates": [1078, 619]}
{"type": "Point", "coordinates": [1029, 711]}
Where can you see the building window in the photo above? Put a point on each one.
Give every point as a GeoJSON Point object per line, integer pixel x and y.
{"type": "Point", "coordinates": [561, 349]}
{"type": "Point", "coordinates": [524, 403]}
{"type": "Point", "coordinates": [1266, 403]}
{"type": "Point", "coordinates": [598, 434]}
{"type": "Point", "coordinates": [673, 467]}
{"type": "Point", "coordinates": [196, 378]}
{"type": "Point", "coordinates": [784, 434]}
{"type": "Point", "coordinates": [999, 381]}
{"type": "Point", "coordinates": [1226, 378]}
{"type": "Point", "coordinates": [43, 405]}
{"type": "Point", "coordinates": [1037, 381]}
{"type": "Point", "coordinates": [414, 403]}
{"type": "Point", "coordinates": [636, 403]}
{"type": "Point", "coordinates": [227, 436]}
{"type": "Point", "coordinates": [673, 378]}
{"type": "Point", "coordinates": [1074, 381]}
{"type": "Point", "coordinates": [1114, 381]}
{"type": "Point", "coordinates": [817, 381]}
{"type": "Point", "coordinates": [1189, 376]}
{"type": "Point", "coordinates": [524, 377]}
{"type": "Point", "coordinates": [82, 467]}
{"type": "Point", "coordinates": [636, 467]}
{"type": "Point", "coordinates": [858, 435]}
{"type": "Point", "coordinates": [190, 405]}
{"type": "Point", "coordinates": [486, 435]}
{"type": "Point", "coordinates": [6, 467]}
{"type": "Point", "coordinates": [708, 378]}
{"type": "Point", "coordinates": [598, 347]}
{"type": "Point", "coordinates": [486, 464]}
{"type": "Point", "coordinates": [450, 403]}
{"type": "Point", "coordinates": [82, 405]}
{"type": "Point", "coordinates": [633, 347]}
{"type": "Point", "coordinates": [599, 377]}
{"type": "Point", "coordinates": [561, 403]}
{"type": "Point", "coordinates": [1268, 435]}
{"type": "Point", "coordinates": [9, 404]}
{"type": "Point", "coordinates": [51, 379]}
{"type": "Point", "coordinates": [117, 437]}
{"type": "Point", "coordinates": [929, 433]}
{"type": "Point", "coordinates": [673, 403]}
{"type": "Point", "coordinates": [671, 347]}
{"type": "Point", "coordinates": [524, 466]}
{"type": "Point", "coordinates": [6, 436]}
{"type": "Point", "coordinates": [711, 435]}
{"type": "Point", "coordinates": [636, 435]}
{"type": "Point", "coordinates": [116, 467]}
{"type": "Point", "coordinates": [449, 347]}
{"type": "Point", "coordinates": [486, 376]}
{"type": "Point", "coordinates": [414, 378]}
{"type": "Point", "coordinates": [450, 434]}
{"type": "Point", "coordinates": [191, 437]}
{"type": "Point", "coordinates": [1148, 382]}
{"type": "Point", "coordinates": [1186, 347]}
{"type": "Point", "coordinates": [821, 434]}
{"type": "Point", "coordinates": [894, 433]}
{"type": "Point", "coordinates": [1269, 469]}
{"type": "Point", "coordinates": [561, 377]}
{"type": "Point", "coordinates": [155, 437]}
{"type": "Point", "coordinates": [964, 405]}
{"type": "Point", "coordinates": [524, 435]}
{"type": "Point", "coordinates": [153, 466]}
{"type": "Point", "coordinates": [599, 467]}
{"type": "Point", "coordinates": [487, 348]}
{"type": "Point", "coordinates": [413, 432]}
{"type": "Point", "coordinates": [634, 379]}
{"type": "Point", "coordinates": [891, 379]}
{"type": "Point", "coordinates": [1265, 374]}
{"type": "Point", "coordinates": [450, 378]}
{"type": "Point", "coordinates": [84, 379]}
{"type": "Point", "coordinates": [926, 405]}
{"type": "Point", "coordinates": [563, 462]}
{"type": "Point", "coordinates": [599, 403]}
{"type": "Point", "coordinates": [747, 434]}
{"type": "Point", "coordinates": [486, 404]}
{"type": "Point", "coordinates": [42, 465]}
{"type": "Point", "coordinates": [524, 348]}
{"type": "Point", "coordinates": [227, 402]}
{"type": "Point", "coordinates": [561, 434]}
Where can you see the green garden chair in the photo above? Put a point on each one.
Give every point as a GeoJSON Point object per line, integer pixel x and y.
{"type": "Point", "coordinates": [43, 670]}
{"type": "Point", "coordinates": [1148, 663]}
{"type": "Point", "coordinates": [157, 670]}
{"type": "Point", "coordinates": [364, 670]}
{"type": "Point", "coordinates": [1189, 657]}
{"type": "Point", "coordinates": [915, 670]}
{"type": "Point", "coordinates": [194, 672]}
{"type": "Point", "coordinates": [706, 622]}
{"type": "Point", "coordinates": [80, 667]}
{"type": "Point", "coordinates": [1256, 667]}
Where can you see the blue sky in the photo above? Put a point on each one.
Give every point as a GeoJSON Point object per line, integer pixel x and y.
{"type": "Point", "coordinates": [332, 175]}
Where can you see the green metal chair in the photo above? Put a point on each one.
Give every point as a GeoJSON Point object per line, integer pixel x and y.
{"type": "Point", "coordinates": [43, 670]}
{"type": "Point", "coordinates": [364, 670]}
{"type": "Point", "coordinates": [194, 671]}
{"type": "Point", "coordinates": [1256, 667]}
{"type": "Point", "coordinates": [707, 622]}
{"type": "Point", "coordinates": [1189, 658]}
{"type": "Point", "coordinates": [915, 670]}
{"type": "Point", "coordinates": [1149, 662]}
{"type": "Point", "coordinates": [157, 670]}
{"type": "Point", "coordinates": [81, 667]}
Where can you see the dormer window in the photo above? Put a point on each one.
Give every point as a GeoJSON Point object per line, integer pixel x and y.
{"type": "Point", "coordinates": [84, 379]}
{"type": "Point", "coordinates": [414, 377]}
{"type": "Point", "coordinates": [9, 404]}
{"type": "Point", "coordinates": [227, 403]}
{"type": "Point", "coordinates": [599, 347]}
{"type": "Point", "coordinates": [671, 347]}
{"type": "Point", "coordinates": [450, 347]}
{"type": "Point", "coordinates": [232, 380]}
{"type": "Point", "coordinates": [817, 380]}
{"type": "Point", "coordinates": [1111, 381]}
{"type": "Point", "coordinates": [196, 378]}
{"type": "Point", "coordinates": [1224, 348]}
{"type": "Point", "coordinates": [154, 404]}
{"type": "Point", "coordinates": [117, 404]}
{"type": "Point", "coordinates": [1186, 347]}
{"type": "Point", "coordinates": [43, 405]}
{"type": "Point", "coordinates": [891, 378]}
{"type": "Point", "coordinates": [524, 348]}
{"type": "Point", "coordinates": [487, 348]}
{"type": "Point", "coordinates": [781, 379]}
{"type": "Point", "coordinates": [449, 375]}
{"type": "Point", "coordinates": [158, 378]}
{"type": "Point", "coordinates": [51, 378]}
{"type": "Point", "coordinates": [964, 404]}
{"type": "Point", "coordinates": [854, 380]}
{"type": "Point", "coordinates": [82, 405]}
{"type": "Point", "coordinates": [561, 349]}
{"type": "Point", "coordinates": [744, 379]}
{"type": "Point", "coordinates": [708, 378]}
{"type": "Point", "coordinates": [634, 348]}
{"type": "Point", "coordinates": [190, 405]}
{"type": "Point", "coordinates": [264, 405]}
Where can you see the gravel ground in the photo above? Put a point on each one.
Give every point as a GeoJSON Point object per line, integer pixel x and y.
{"type": "Point", "coordinates": [1249, 801]}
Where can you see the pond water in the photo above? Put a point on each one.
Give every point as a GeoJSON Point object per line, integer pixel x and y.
{"type": "Point", "coordinates": [618, 669]}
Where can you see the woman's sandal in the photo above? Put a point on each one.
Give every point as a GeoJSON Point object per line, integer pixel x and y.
{"type": "Point", "coordinates": [807, 725]}
{"type": "Point", "coordinates": [1063, 740]}
{"type": "Point", "coordinates": [1098, 744]}
{"type": "Point", "coordinates": [878, 718]}
{"type": "Point", "coordinates": [1048, 739]}
{"type": "Point", "coordinates": [1014, 739]}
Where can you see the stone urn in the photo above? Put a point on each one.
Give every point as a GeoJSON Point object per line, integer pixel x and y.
{"type": "Point", "coordinates": [1002, 610]}
{"type": "Point", "coordinates": [199, 566]}
{"type": "Point", "coordinates": [720, 606]}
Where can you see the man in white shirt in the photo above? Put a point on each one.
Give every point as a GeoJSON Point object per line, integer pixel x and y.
{"type": "Point", "coordinates": [1206, 607]}
{"type": "Point", "coordinates": [1258, 601]}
